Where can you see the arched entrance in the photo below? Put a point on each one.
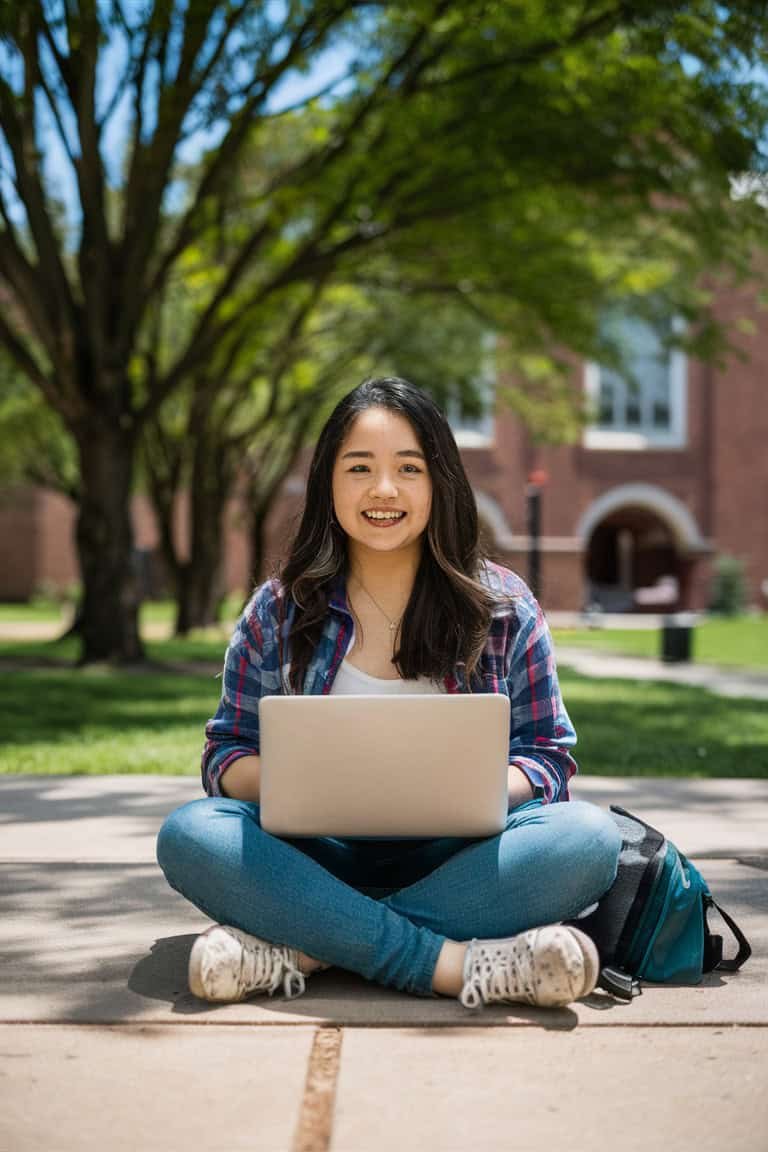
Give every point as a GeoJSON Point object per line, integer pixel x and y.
{"type": "Point", "coordinates": [633, 552]}
{"type": "Point", "coordinates": [640, 548]}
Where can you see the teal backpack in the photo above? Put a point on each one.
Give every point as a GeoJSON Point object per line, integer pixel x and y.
{"type": "Point", "coordinates": [652, 922]}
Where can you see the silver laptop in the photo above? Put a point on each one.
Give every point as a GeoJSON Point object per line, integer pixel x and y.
{"type": "Point", "coordinates": [384, 766]}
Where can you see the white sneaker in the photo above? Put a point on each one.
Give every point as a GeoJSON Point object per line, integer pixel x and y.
{"type": "Point", "coordinates": [227, 964]}
{"type": "Point", "coordinates": [547, 966]}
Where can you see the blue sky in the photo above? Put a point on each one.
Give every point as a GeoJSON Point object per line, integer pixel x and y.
{"type": "Point", "coordinates": [328, 66]}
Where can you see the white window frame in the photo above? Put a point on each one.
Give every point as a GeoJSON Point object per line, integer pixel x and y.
{"type": "Point", "coordinates": [623, 440]}
{"type": "Point", "coordinates": [478, 433]}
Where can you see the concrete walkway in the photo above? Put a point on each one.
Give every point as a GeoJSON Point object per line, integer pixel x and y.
{"type": "Point", "coordinates": [723, 681]}
{"type": "Point", "coordinates": [103, 1046]}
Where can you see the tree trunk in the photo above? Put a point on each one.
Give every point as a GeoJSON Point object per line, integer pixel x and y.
{"type": "Point", "coordinates": [199, 581]}
{"type": "Point", "coordinates": [198, 592]}
{"type": "Point", "coordinates": [258, 541]}
{"type": "Point", "coordinates": [109, 623]}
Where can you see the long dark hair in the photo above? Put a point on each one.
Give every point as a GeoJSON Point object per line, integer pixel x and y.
{"type": "Point", "coordinates": [449, 611]}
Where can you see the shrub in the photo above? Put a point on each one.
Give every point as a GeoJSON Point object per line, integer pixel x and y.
{"type": "Point", "coordinates": [48, 594]}
{"type": "Point", "coordinates": [728, 595]}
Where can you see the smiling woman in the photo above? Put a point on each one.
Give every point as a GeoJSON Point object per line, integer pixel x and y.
{"type": "Point", "coordinates": [386, 591]}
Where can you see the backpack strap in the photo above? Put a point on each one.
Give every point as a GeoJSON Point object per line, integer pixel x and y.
{"type": "Point", "coordinates": [713, 944]}
{"type": "Point", "coordinates": [620, 984]}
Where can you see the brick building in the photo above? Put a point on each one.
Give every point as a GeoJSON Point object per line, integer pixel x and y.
{"type": "Point", "coordinates": [673, 472]}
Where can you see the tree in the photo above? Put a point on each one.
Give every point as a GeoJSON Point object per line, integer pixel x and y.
{"type": "Point", "coordinates": [478, 149]}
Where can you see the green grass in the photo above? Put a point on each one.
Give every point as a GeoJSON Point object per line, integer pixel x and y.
{"type": "Point", "coordinates": [651, 728]}
{"type": "Point", "coordinates": [206, 648]}
{"type": "Point", "coordinates": [164, 611]}
{"type": "Point", "coordinates": [151, 611]}
{"type": "Point", "coordinates": [43, 610]}
{"type": "Point", "coordinates": [58, 720]}
{"type": "Point", "coordinates": [735, 641]}
{"type": "Point", "coordinates": [100, 722]}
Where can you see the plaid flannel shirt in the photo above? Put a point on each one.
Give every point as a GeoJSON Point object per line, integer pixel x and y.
{"type": "Point", "coordinates": [517, 660]}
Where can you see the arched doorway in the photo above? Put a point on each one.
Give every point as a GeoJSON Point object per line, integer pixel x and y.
{"type": "Point", "coordinates": [633, 563]}
{"type": "Point", "coordinates": [640, 547]}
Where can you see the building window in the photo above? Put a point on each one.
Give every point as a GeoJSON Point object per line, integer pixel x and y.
{"type": "Point", "coordinates": [478, 431]}
{"type": "Point", "coordinates": [643, 405]}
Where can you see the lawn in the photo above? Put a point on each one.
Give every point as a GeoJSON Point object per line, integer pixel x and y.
{"type": "Point", "coordinates": [150, 611]}
{"type": "Point", "coordinates": [730, 641]}
{"type": "Point", "coordinates": [199, 647]}
{"type": "Point", "coordinates": [58, 720]}
{"type": "Point", "coordinates": [43, 610]}
{"type": "Point", "coordinates": [651, 728]}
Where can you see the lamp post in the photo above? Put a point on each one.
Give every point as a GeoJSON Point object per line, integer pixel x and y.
{"type": "Point", "coordinates": [536, 481]}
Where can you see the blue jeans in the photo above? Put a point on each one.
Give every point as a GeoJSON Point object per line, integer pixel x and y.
{"type": "Point", "coordinates": [383, 908]}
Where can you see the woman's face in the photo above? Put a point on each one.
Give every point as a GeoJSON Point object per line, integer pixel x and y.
{"type": "Point", "coordinates": [380, 468]}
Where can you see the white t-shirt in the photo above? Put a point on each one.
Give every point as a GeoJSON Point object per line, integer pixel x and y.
{"type": "Point", "coordinates": [351, 681]}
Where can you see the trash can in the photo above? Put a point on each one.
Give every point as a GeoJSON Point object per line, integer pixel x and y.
{"type": "Point", "coordinates": [676, 634]}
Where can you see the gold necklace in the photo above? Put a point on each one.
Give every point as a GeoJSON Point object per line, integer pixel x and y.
{"type": "Point", "coordinates": [393, 624]}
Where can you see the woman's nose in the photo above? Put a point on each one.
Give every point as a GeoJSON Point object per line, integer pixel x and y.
{"type": "Point", "coordinates": [384, 485]}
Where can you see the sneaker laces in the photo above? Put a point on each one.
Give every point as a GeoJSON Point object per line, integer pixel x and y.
{"type": "Point", "coordinates": [494, 971]}
{"type": "Point", "coordinates": [265, 966]}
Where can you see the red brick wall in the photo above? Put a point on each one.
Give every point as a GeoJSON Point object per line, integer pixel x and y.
{"type": "Point", "coordinates": [56, 562]}
{"type": "Point", "coordinates": [740, 418]}
{"type": "Point", "coordinates": [18, 543]}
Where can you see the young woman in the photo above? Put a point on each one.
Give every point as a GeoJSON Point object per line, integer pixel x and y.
{"type": "Point", "coordinates": [386, 590]}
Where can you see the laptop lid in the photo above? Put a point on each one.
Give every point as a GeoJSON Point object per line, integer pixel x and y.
{"type": "Point", "coordinates": [384, 766]}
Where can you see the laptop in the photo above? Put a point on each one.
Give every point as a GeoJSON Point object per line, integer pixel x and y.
{"type": "Point", "coordinates": [405, 766]}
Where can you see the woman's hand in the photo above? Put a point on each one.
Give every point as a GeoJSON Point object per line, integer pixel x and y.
{"type": "Point", "coordinates": [519, 787]}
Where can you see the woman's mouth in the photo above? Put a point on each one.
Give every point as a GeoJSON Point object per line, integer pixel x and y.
{"type": "Point", "coordinates": [383, 519]}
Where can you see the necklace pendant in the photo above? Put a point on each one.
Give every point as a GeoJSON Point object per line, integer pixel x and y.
{"type": "Point", "coordinates": [393, 626]}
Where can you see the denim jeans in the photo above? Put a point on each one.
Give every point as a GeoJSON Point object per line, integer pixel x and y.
{"type": "Point", "coordinates": [383, 908]}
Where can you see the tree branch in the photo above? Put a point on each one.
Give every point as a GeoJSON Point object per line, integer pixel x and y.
{"type": "Point", "coordinates": [148, 177]}
{"type": "Point", "coordinates": [62, 62]}
{"type": "Point", "coordinates": [22, 278]}
{"type": "Point", "coordinates": [28, 364]}
{"type": "Point", "coordinates": [305, 100]}
{"type": "Point", "coordinates": [20, 134]}
{"type": "Point", "coordinates": [56, 112]}
{"type": "Point", "coordinates": [232, 144]}
{"type": "Point", "coordinates": [95, 255]}
{"type": "Point", "coordinates": [598, 24]}
{"type": "Point", "coordinates": [132, 68]}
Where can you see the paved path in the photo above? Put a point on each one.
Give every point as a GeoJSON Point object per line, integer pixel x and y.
{"type": "Point", "coordinates": [734, 682]}
{"type": "Point", "coordinates": [103, 1046]}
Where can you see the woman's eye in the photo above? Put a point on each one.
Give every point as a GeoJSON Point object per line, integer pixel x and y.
{"type": "Point", "coordinates": [411, 468]}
